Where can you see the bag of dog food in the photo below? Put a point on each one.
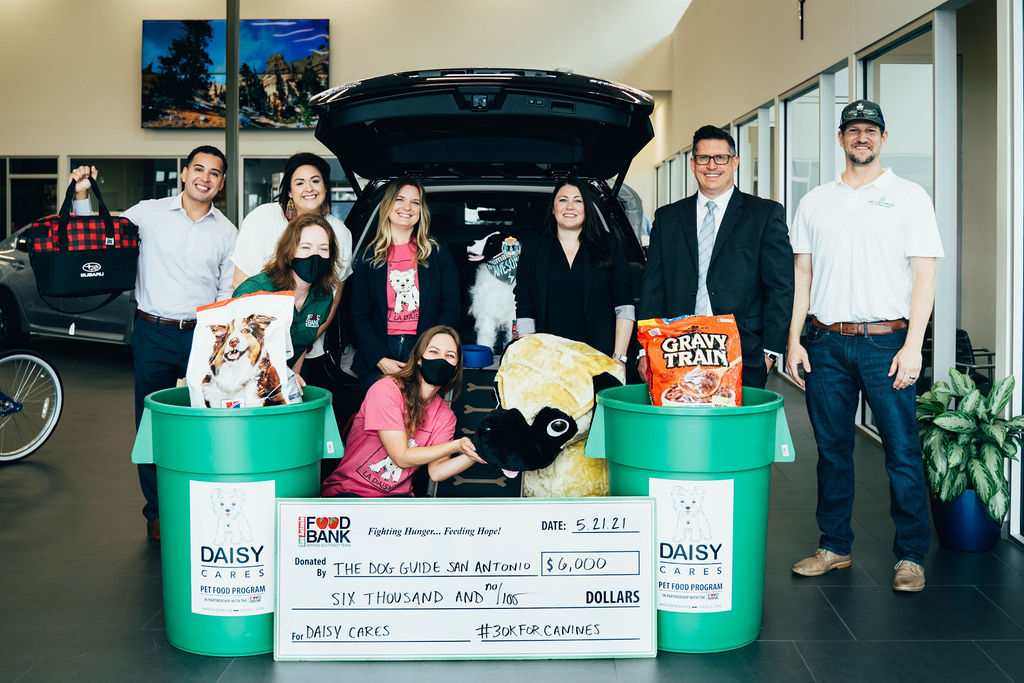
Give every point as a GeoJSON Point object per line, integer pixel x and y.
{"type": "Point", "coordinates": [693, 360]}
{"type": "Point", "coordinates": [240, 351]}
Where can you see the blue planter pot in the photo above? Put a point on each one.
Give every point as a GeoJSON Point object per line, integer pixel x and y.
{"type": "Point", "coordinates": [964, 524]}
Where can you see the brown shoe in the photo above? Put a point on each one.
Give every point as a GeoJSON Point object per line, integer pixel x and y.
{"type": "Point", "coordinates": [909, 577]}
{"type": "Point", "coordinates": [820, 562]}
{"type": "Point", "coordinates": [153, 529]}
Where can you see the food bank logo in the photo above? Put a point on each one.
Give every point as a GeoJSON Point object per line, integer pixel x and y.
{"type": "Point", "coordinates": [329, 531]}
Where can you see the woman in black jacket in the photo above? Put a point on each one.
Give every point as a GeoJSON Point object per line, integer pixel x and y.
{"type": "Point", "coordinates": [574, 282]}
{"type": "Point", "coordinates": [403, 283]}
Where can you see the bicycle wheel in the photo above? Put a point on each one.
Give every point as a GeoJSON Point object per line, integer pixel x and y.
{"type": "Point", "coordinates": [31, 400]}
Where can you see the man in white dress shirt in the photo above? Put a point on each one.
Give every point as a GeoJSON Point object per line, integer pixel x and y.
{"type": "Point", "coordinates": [184, 262]}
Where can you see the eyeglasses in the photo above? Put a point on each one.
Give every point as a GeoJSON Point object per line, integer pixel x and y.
{"type": "Point", "coordinates": [705, 159]}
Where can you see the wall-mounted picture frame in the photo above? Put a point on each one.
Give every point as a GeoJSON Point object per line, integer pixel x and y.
{"type": "Point", "coordinates": [282, 63]}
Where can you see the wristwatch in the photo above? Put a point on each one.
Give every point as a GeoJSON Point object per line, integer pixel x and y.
{"type": "Point", "coordinates": [620, 357]}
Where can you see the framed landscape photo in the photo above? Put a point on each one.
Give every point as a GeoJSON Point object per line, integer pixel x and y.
{"type": "Point", "coordinates": [282, 63]}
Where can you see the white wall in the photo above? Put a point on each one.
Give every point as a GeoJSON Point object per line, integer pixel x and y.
{"type": "Point", "coordinates": [761, 55]}
{"type": "Point", "coordinates": [72, 71]}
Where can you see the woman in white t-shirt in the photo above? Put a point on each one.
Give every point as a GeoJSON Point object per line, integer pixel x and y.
{"type": "Point", "coordinates": [305, 189]}
{"type": "Point", "coordinates": [403, 283]}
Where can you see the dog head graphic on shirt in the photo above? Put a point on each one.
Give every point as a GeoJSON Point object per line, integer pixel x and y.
{"type": "Point", "coordinates": [407, 297]}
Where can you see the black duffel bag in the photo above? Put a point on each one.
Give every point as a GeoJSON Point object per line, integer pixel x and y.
{"type": "Point", "coordinates": [75, 256]}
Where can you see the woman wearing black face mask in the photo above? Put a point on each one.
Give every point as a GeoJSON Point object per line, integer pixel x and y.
{"type": "Point", "coordinates": [305, 261]}
{"type": "Point", "coordinates": [404, 423]}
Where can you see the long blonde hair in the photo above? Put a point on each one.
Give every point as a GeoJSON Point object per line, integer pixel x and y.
{"type": "Point", "coordinates": [382, 240]}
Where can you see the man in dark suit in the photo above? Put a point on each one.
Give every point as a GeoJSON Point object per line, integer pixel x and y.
{"type": "Point", "coordinates": [722, 251]}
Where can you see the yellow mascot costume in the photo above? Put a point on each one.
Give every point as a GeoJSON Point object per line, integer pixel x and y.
{"type": "Point", "coordinates": [544, 371]}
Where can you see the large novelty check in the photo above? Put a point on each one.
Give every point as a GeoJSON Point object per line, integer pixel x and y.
{"type": "Point", "coordinates": [465, 579]}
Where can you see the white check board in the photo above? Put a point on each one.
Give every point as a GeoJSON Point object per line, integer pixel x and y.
{"type": "Point", "coordinates": [465, 579]}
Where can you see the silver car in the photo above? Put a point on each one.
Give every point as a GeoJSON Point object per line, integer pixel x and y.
{"type": "Point", "coordinates": [23, 311]}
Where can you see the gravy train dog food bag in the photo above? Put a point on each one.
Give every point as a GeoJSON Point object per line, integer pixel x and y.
{"type": "Point", "coordinates": [240, 351]}
{"type": "Point", "coordinates": [693, 360]}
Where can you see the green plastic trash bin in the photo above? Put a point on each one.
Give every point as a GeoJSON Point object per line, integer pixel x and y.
{"type": "Point", "coordinates": [218, 474]}
{"type": "Point", "coordinates": [708, 468]}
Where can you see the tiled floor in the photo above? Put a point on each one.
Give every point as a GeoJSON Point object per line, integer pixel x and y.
{"type": "Point", "coordinates": [82, 597]}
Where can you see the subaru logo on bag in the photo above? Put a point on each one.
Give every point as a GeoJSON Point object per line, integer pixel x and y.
{"type": "Point", "coordinates": [91, 269]}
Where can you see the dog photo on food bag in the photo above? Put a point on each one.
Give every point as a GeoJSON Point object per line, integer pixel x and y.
{"type": "Point", "coordinates": [240, 351]}
{"type": "Point", "coordinates": [240, 367]}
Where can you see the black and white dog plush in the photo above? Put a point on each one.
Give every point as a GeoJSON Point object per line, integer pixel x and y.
{"type": "Point", "coordinates": [492, 302]}
{"type": "Point", "coordinates": [547, 387]}
{"type": "Point", "coordinates": [507, 440]}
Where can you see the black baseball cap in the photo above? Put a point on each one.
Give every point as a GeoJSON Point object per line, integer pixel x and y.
{"type": "Point", "coordinates": [861, 110]}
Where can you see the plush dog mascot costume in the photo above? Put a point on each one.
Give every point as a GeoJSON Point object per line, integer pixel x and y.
{"type": "Point", "coordinates": [546, 385]}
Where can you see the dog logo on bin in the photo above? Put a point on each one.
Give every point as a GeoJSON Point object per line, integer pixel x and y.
{"type": "Point", "coordinates": [233, 527]}
{"type": "Point", "coordinates": [691, 521]}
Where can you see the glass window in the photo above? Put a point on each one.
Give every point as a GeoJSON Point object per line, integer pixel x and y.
{"type": "Point", "coordinates": [746, 148]}
{"type": "Point", "coordinates": [10, 226]}
{"type": "Point", "coordinates": [126, 182]}
{"type": "Point", "coordinates": [842, 80]}
{"type": "Point", "coordinates": [342, 194]}
{"type": "Point", "coordinates": [766, 171]}
{"type": "Point", "coordinates": [900, 80]}
{"type": "Point", "coordinates": [674, 180]}
{"type": "Point", "coordinates": [802, 154]}
{"type": "Point", "coordinates": [659, 189]}
{"type": "Point", "coordinates": [689, 182]}
{"type": "Point", "coordinates": [34, 165]}
{"type": "Point", "coordinates": [261, 180]}
{"type": "Point", "coordinates": [28, 191]}
{"type": "Point", "coordinates": [32, 198]}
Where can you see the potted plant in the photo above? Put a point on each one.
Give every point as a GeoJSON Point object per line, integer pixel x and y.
{"type": "Point", "coordinates": [964, 440]}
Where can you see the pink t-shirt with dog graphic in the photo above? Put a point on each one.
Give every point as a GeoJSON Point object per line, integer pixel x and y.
{"type": "Point", "coordinates": [365, 469]}
{"type": "Point", "coordinates": [403, 289]}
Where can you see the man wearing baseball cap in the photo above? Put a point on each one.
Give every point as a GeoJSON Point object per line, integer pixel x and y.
{"type": "Point", "coordinates": [864, 251]}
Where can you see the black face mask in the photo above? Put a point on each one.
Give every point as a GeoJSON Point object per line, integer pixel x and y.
{"type": "Point", "coordinates": [311, 268]}
{"type": "Point", "coordinates": [437, 371]}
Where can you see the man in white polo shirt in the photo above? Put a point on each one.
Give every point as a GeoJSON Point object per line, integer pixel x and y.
{"type": "Point", "coordinates": [864, 252]}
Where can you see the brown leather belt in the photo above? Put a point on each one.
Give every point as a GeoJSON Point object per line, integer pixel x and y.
{"type": "Point", "coordinates": [167, 322]}
{"type": "Point", "coordinates": [862, 329]}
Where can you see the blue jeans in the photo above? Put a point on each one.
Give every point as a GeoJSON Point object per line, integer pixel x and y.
{"type": "Point", "coordinates": [842, 366]}
{"type": "Point", "coordinates": [399, 348]}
